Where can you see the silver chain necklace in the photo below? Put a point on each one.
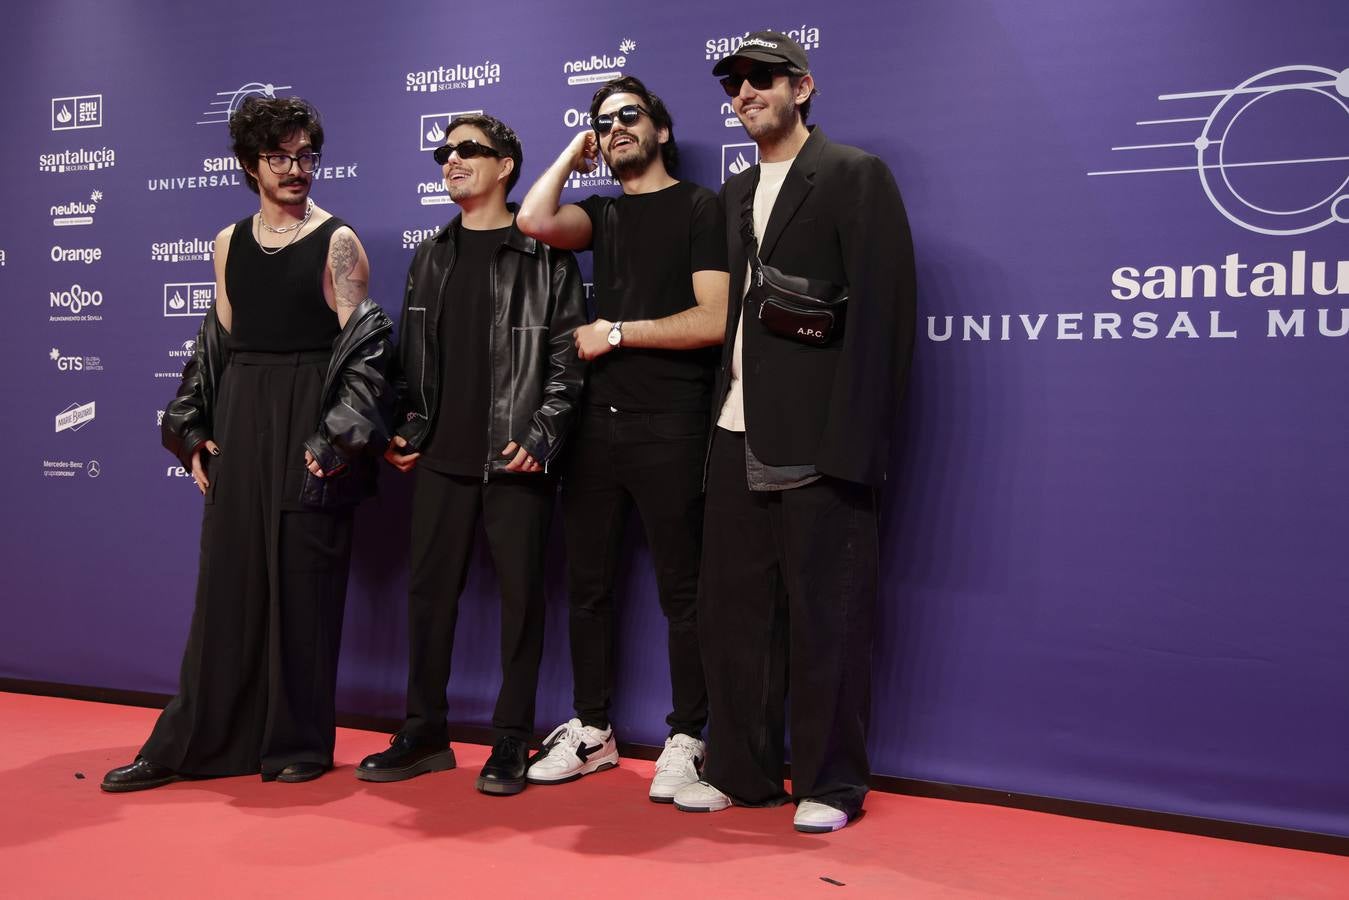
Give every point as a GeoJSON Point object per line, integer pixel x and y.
{"type": "Point", "coordinates": [296, 228]}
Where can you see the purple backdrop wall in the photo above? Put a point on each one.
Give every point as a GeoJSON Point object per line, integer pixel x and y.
{"type": "Point", "coordinates": [1110, 549]}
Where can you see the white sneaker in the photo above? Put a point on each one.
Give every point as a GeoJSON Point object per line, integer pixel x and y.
{"type": "Point", "coordinates": [700, 797]}
{"type": "Point", "coordinates": [677, 767]}
{"type": "Point", "coordinates": [814, 817]}
{"type": "Point", "coordinates": [573, 750]}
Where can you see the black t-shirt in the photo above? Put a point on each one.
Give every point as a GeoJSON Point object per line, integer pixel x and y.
{"type": "Point", "coordinates": [646, 249]}
{"type": "Point", "coordinates": [458, 444]}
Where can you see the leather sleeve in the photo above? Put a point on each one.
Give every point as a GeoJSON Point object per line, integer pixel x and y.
{"type": "Point", "coordinates": [357, 420]}
{"type": "Point", "coordinates": [878, 342]}
{"type": "Point", "coordinates": [187, 422]}
{"type": "Point", "coordinates": [566, 371]}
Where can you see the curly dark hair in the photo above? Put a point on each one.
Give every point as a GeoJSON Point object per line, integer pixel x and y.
{"type": "Point", "coordinates": [500, 135]}
{"type": "Point", "coordinates": [261, 124]}
{"type": "Point", "coordinates": [660, 116]}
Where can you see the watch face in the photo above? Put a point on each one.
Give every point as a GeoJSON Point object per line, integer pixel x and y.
{"type": "Point", "coordinates": [615, 335]}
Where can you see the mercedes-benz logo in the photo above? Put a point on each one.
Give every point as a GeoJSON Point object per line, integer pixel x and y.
{"type": "Point", "coordinates": [95, 468]}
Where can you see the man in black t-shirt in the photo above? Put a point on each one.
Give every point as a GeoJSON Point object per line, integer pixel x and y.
{"type": "Point", "coordinates": [660, 292]}
{"type": "Point", "coordinates": [489, 380]}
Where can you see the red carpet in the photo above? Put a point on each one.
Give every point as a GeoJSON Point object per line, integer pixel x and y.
{"type": "Point", "coordinates": [597, 838]}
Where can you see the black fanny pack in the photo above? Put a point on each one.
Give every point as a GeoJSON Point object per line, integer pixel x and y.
{"type": "Point", "coordinates": [806, 310]}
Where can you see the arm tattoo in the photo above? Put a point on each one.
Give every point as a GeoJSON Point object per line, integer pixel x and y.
{"type": "Point", "coordinates": [343, 259]}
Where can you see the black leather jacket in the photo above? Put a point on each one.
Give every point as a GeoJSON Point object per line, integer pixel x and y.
{"type": "Point", "coordinates": [536, 376]}
{"type": "Point", "coordinates": [353, 417]}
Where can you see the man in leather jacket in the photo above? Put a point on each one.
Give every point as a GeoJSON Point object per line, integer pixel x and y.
{"type": "Point", "coordinates": [489, 378]}
{"type": "Point", "coordinates": [281, 415]}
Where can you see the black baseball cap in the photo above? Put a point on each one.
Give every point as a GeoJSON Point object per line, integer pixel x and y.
{"type": "Point", "coordinates": [768, 47]}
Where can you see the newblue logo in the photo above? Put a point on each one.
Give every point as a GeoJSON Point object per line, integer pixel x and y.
{"type": "Point", "coordinates": [736, 158]}
{"type": "Point", "coordinates": [81, 160]}
{"type": "Point", "coordinates": [70, 113]}
{"type": "Point", "coordinates": [77, 212]}
{"type": "Point", "coordinates": [221, 109]}
{"type": "Point", "coordinates": [449, 78]}
{"type": "Point", "coordinates": [599, 67]}
{"type": "Point", "coordinates": [1271, 153]}
{"type": "Point", "coordinates": [808, 36]}
{"type": "Point", "coordinates": [189, 298]}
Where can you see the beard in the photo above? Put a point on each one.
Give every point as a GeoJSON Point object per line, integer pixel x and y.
{"type": "Point", "coordinates": [281, 196]}
{"type": "Point", "coordinates": [774, 122]}
{"type": "Point", "coordinates": [636, 159]}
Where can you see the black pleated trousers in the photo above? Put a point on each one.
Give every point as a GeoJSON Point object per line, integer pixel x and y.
{"type": "Point", "coordinates": [787, 599]}
{"type": "Point", "coordinates": [259, 674]}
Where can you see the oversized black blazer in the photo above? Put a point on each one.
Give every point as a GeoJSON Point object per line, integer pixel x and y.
{"type": "Point", "coordinates": [839, 218]}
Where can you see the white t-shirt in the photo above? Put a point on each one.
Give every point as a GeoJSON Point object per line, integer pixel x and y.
{"type": "Point", "coordinates": [771, 177]}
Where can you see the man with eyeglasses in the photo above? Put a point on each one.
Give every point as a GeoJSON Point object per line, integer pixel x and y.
{"type": "Point", "coordinates": [819, 335]}
{"type": "Point", "coordinates": [488, 380]}
{"type": "Point", "coordinates": [281, 414]}
{"type": "Point", "coordinates": [660, 293]}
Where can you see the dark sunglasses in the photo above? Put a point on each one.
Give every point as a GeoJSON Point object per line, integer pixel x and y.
{"type": "Point", "coordinates": [628, 115]}
{"type": "Point", "coordinates": [760, 78]}
{"type": "Point", "coordinates": [465, 149]}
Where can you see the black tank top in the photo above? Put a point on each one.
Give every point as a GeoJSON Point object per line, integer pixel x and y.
{"type": "Point", "coordinates": [277, 299]}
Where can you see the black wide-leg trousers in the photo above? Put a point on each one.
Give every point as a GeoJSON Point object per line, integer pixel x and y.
{"type": "Point", "coordinates": [258, 680]}
{"type": "Point", "coordinates": [516, 512]}
{"type": "Point", "coordinates": [787, 597]}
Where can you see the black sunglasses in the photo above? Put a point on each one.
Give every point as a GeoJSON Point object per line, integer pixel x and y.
{"type": "Point", "coordinates": [465, 149]}
{"type": "Point", "coordinates": [760, 78]}
{"type": "Point", "coordinates": [628, 115]}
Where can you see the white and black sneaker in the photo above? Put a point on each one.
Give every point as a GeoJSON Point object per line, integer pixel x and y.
{"type": "Point", "coordinates": [677, 767]}
{"type": "Point", "coordinates": [573, 750]}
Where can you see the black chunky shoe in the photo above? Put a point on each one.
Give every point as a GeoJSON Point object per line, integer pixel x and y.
{"type": "Point", "coordinates": [504, 772]}
{"type": "Point", "coordinates": [406, 758]}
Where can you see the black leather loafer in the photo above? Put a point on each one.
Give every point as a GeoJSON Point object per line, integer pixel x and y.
{"type": "Point", "coordinates": [504, 772]}
{"type": "Point", "coordinates": [301, 771]}
{"type": "Point", "coordinates": [406, 758]}
{"type": "Point", "coordinates": [140, 775]}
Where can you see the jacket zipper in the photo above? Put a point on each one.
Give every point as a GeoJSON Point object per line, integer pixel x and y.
{"type": "Point", "coordinates": [491, 358]}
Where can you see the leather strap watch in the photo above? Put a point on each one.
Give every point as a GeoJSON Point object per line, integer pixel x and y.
{"type": "Point", "coordinates": [616, 335]}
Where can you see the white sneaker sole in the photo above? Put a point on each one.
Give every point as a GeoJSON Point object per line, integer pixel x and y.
{"type": "Point", "coordinates": [589, 767]}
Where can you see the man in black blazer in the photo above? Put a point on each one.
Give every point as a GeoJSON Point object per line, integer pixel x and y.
{"type": "Point", "coordinates": [804, 401]}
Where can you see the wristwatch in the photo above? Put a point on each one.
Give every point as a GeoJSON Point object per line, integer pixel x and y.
{"type": "Point", "coordinates": [616, 334]}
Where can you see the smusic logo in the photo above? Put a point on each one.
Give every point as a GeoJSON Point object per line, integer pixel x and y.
{"type": "Point", "coordinates": [70, 113]}
{"type": "Point", "coordinates": [433, 127]}
{"type": "Point", "coordinates": [736, 158]}
{"type": "Point", "coordinates": [190, 298]}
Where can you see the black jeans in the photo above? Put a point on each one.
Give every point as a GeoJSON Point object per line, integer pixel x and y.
{"type": "Point", "coordinates": [788, 591]}
{"type": "Point", "coordinates": [516, 512]}
{"type": "Point", "coordinates": [652, 461]}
